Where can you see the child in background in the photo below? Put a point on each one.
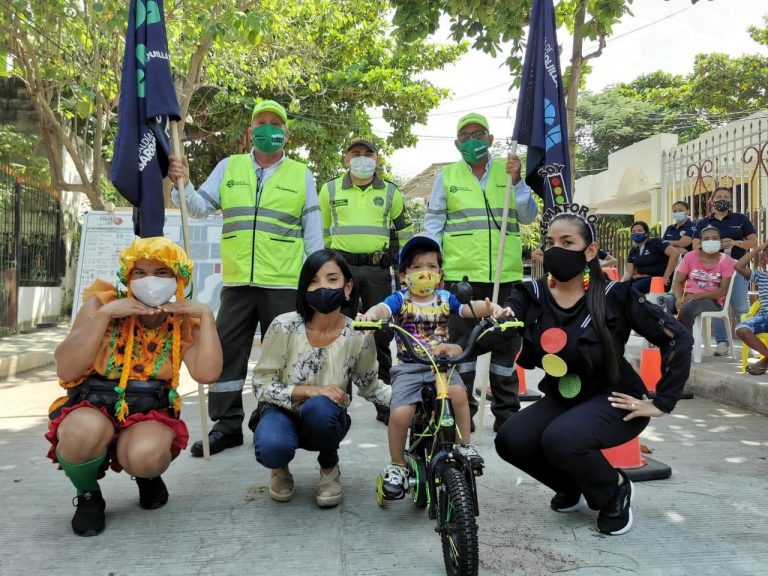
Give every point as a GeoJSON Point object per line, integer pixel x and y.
{"type": "Point", "coordinates": [758, 323]}
{"type": "Point", "coordinates": [423, 310]}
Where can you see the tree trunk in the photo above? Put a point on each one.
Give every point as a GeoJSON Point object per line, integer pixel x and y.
{"type": "Point", "coordinates": [578, 59]}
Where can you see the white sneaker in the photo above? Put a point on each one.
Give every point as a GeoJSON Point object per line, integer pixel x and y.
{"type": "Point", "coordinates": [395, 481]}
{"type": "Point", "coordinates": [722, 349]}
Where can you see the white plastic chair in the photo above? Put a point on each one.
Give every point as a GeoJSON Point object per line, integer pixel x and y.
{"type": "Point", "coordinates": [702, 326]}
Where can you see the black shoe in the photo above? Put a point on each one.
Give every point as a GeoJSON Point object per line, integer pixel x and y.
{"type": "Point", "coordinates": [89, 519]}
{"type": "Point", "coordinates": [218, 441]}
{"type": "Point", "coordinates": [562, 502]}
{"type": "Point", "coordinates": [382, 414]}
{"type": "Point", "coordinates": [152, 493]}
{"type": "Point", "coordinates": [616, 517]}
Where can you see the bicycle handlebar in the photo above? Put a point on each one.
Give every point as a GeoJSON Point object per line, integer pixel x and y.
{"type": "Point", "coordinates": [484, 326]}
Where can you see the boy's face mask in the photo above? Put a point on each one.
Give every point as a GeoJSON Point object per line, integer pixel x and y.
{"type": "Point", "coordinates": [422, 283]}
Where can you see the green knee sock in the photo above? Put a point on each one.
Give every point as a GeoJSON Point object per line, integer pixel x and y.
{"type": "Point", "coordinates": [83, 476]}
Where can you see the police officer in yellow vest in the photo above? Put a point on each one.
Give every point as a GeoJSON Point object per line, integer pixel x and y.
{"type": "Point", "coordinates": [464, 215]}
{"type": "Point", "coordinates": [271, 221]}
{"type": "Point", "coordinates": [359, 209]}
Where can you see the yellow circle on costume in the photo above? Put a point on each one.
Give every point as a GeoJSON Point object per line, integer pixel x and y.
{"type": "Point", "coordinates": [554, 365]}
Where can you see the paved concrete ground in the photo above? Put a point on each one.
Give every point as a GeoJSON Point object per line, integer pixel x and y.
{"type": "Point", "coordinates": [711, 517]}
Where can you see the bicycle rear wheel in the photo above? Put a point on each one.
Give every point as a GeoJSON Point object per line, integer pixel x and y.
{"type": "Point", "coordinates": [456, 523]}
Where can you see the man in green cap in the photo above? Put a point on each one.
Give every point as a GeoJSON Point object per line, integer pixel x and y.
{"type": "Point", "coordinates": [271, 221]}
{"type": "Point", "coordinates": [464, 216]}
{"type": "Point", "coordinates": [359, 208]}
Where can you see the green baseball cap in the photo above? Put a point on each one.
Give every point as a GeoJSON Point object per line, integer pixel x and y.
{"type": "Point", "coordinates": [472, 118]}
{"type": "Point", "coordinates": [270, 106]}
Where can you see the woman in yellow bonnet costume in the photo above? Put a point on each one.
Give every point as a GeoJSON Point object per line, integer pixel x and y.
{"type": "Point", "coordinates": [120, 366]}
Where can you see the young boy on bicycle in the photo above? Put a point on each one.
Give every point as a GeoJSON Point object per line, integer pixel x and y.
{"type": "Point", "coordinates": [422, 308]}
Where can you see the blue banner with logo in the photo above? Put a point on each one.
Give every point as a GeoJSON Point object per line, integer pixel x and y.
{"type": "Point", "coordinates": [147, 105]}
{"type": "Point", "coordinates": [540, 123]}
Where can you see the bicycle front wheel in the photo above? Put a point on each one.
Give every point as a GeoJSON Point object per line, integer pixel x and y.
{"type": "Point", "coordinates": [456, 523]}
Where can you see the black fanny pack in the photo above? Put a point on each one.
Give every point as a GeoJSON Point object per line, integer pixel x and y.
{"type": "Point", "coordinates": [142, 396]}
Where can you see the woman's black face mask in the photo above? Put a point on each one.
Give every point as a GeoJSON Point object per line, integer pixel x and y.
{"type": "Point", "coordinates": [326, 300]}
{"type": "Point", "coordinates": [564, 264]}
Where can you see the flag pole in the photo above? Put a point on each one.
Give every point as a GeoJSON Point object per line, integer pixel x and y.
{"type": "Point", "coordinates": [496, 284]}
{"type": "Point", "coordinates": [177, 151]}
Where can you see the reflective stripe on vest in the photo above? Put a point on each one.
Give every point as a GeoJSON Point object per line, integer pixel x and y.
{"type": "Point", "coordinates": [262, 239]}
{"type": "Point", "coordinates": [471, 236]}
{"type": "Point", "coordinates": [363, 227]}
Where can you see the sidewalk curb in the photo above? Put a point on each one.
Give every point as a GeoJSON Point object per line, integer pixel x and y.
{"type": "Point", "coordinates": [732, 389]}
{"type": "Point", "coordinates": [13, 365]}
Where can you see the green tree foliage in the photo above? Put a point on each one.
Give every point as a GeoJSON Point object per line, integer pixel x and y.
{"type": "Point", "coordinates": [491, 23]}
{"type": "Point", "coordinates": [719, 89]}
{"type": "Point", "coordinates": [329, 62]}
{"type": "Point", "coordinates": [18, 151]}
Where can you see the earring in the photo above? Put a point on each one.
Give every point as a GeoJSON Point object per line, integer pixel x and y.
{"type": "Point", "coordinates": [551, 280]}
{"type": "Point", "coordinates": [586, 278]}
{"type": "Point", "coordinates": [346, 297]}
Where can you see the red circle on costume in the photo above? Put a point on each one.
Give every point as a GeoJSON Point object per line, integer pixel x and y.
{"type": "Point", "coordinates": [556, 181]}
{"type": "Point", "coordinates": [553, 340]}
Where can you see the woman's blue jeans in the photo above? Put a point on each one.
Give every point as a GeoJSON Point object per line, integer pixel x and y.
{"type": "Point", "coordinates": [319, 426]}
{"type": "Point", "coordinates": [739, 305]}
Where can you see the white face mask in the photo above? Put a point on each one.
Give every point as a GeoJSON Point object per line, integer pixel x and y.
{"type": "Point", "coordinates": [362, 166]}
{"type": "Point", "coordinates": [710, 246]}
{"type": "Point", "coordinates": [678, 216]}
{"type": "Point", "coordinates": [153, 291]}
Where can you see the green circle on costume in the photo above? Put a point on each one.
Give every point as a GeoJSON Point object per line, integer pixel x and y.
{"type": "Point", "coordinates": [554, 365]}
{"type": "Point", "coordinates": [569, 386]}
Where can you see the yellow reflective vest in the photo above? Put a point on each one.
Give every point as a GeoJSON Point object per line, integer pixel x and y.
{"type": "Point", "coordinates": [472, 225]}
{"type": "Point", "coordinates": [261, 239]}
{"type": "Point", "coordinates": [358, 221]}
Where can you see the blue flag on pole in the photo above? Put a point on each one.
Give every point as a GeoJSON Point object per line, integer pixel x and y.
{"type": "Point", "coordinates": [147, 105]}
{"type": "Point", "coordinates": [540, 122]}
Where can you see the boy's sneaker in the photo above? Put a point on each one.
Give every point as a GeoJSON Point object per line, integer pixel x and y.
{"type": "Point", "coordinates": [89, 519]}
{"type": "Point", "coordinates": [152, 493]}
{"type": "Point", "coordinates": [470, 453]}
{"type": "Point", "coordinates": [722, 349]}
{"type": "Point", "coordinates": [395, 481]}
{"type": "Point", "coordinates": [616, 517]}
{"type": "Point", "coordinates": [562, 502]}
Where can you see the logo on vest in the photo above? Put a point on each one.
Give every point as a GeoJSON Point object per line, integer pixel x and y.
{"type": "Point", "coordinates": [231, 183]}
{"type": "Point", "coordinates": [284, 189]}
{"type": "Point", "coordinates": [458, 188]}
{"type": "Point", "coordinates": [378, 200]}
{"type": "Point", "coordinates": [342, 202]}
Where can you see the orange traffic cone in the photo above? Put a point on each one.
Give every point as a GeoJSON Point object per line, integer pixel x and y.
{"type": "Point", "coordinates": [650, 367]}
{"type": "Point", "coordinates": [626, 455]}
{"type": "Point", "coordinates": [657, 285]}
{"type": "Point", "coordinates": [522, 389]}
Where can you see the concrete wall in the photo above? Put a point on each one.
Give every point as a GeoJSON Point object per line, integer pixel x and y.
{"type": "Point", "coordinates": [39, 305]}
{"type": "Point", "coordinates": [632, 183]}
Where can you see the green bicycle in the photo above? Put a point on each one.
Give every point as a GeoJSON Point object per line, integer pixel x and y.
{"type": "Point", "coordinates": [440, 478]}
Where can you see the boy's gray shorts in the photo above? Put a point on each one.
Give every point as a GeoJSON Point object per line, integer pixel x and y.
{"type": "Point", "coordinates": [407, 381]}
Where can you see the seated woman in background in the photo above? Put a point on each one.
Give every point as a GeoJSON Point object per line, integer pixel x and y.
{"type": "Point", "coordinates": [650, 257]}
{"type": "Point", "coordinates": [120, 366]}
{"type": "Point", "coordinates": [309, 361]}
{"type": "Point", "coordinates": [702, 280]}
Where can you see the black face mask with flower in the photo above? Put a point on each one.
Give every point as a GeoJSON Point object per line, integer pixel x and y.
{"type": "Point", "coordinates": [721, 205]}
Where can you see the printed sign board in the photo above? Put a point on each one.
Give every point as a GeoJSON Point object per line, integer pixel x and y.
{"type": "Point", "coordinates": [105, 234]}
